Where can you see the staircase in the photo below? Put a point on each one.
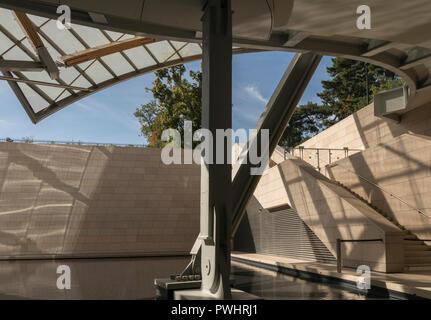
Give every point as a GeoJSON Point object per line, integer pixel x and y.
{"type": "Point", "coordinates": [417, 255]}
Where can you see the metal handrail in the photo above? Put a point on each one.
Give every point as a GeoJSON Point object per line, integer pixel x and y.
{"type": "Point", "coordinates": [318, 150]}
{"type": "Point", "coordinates": [327, 149]}
{"type": "Point", "coordinates": [388, 192]}
{"type": "Point", "coordinates": [70, 142]}
{"type": "Point", "coordinates": [339, 241]}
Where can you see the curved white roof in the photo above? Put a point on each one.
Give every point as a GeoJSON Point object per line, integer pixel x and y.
{"type": "Point", "coordinates": [399, 40]}
{"type": "Point", "coordinates": [82, 79]}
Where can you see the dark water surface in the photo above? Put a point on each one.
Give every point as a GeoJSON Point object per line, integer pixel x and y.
{"type": "Point", "coordinates": [276, 286]}
{"type": "Point", "coordinates": [133, 278]}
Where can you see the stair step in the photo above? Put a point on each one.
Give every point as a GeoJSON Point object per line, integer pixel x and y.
{"type": "Point", "coordinates": [417, 267]}
{"type": "Point", "coordinates": [415, 247]}
{"type": "Point", "coordinates": [417, 260]}
{"type": "Point", "coordinates": [417, 253]}
{"type": "Point", "coordinates": [410, 236]}
{"type": "Point", "coordinates": [408, 243]}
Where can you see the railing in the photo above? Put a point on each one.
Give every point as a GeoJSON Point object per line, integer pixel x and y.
{"type": "Point", "coordinates": [81, 143]}
{"type": "Point", "coordinates": [388, 192]}
{"type": "Point", "coordinates": [339, 241]}
{"type": "Point", "coordinates": [320, 153]}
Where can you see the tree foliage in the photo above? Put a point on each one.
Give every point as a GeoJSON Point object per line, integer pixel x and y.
{"type": "Point", "coordinates": [177, 97]}
{"type": "Point", "coordinates": [307, 120]}
{"type": "Point", "coordinates": [346, 91]}
{"type": "Point", "coordinates": [342, 95]}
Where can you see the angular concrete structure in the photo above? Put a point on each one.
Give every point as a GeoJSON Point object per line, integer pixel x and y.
{"type": "Point", "coordinates": [381, 192]}
{"type": "Point", "coordinates": [82, 201]}
{"type": "Point", "coordinates": [333, 213]}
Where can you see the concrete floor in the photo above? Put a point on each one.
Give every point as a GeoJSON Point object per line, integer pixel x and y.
{"type": "Point", "coordinates": [111, 278]}
{"type": "Point", "coordinates": [133, 278]}
{"type": "Point", "coordinates": [412, 283]}
{"type": "Point", "coordinates": [276, 286]}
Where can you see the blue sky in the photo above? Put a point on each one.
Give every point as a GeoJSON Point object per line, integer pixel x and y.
{"type": "Point", "coordinates": [107, 116]}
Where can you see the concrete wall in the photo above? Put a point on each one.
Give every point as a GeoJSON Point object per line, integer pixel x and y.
{"type": "Point", "coordinates": [68, 200]}
{"type": "Point", "coordinates": [331, 212]}
{"type": "Point", "coordinates": [280, 232]}
{"type": "Point", "coordinates": [363, 130]}
{"type": "Point", "coordinates": [396, 158]}
{"type": "Point", "coordinates": [401, 168]}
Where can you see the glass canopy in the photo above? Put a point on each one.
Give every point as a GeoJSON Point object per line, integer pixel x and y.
{"type": "Point", "coordinates": [42, 95]}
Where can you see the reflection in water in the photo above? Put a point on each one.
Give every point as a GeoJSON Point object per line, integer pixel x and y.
{"type": "Point", "coordinates": [133, 278]}
{"type": "Point", "coordinates": [276, 286]}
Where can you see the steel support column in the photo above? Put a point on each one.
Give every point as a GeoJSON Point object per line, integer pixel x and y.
{"type": "Point", "coordinates": [15, 65]}
{"type": "Point", "coordinates": [275, 118]}
{"type": "Point", "coordinates": [216, 179]}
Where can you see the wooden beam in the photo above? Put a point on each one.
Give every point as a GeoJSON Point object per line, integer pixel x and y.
{"type": "Point", "coordinates": [33, 37]}
{"type": "Point", "coordinates": [42, 83]}
{"type": "Point", "coordinates": [29, 30]}
{"type": "Point", "coordinates": [376, 47]}
{"type": "Point", "coordinates": [415, 57]}
{"type": "Point", "coordinates": [295, 37]}
{"type": "Point", "coordinates": [104, 50]}
{"type": "Point", "coordinates": [16, 65]}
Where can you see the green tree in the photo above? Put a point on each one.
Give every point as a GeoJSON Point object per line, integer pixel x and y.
{"type": "Point", "coordinates": [306, 121]}
{"type": "Point", "coordinates": [346, 91]}
{"type": "Point", "coordinates": [175, 99]}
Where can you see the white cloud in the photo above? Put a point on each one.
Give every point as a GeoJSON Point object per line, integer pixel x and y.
{"type": "Point", "coordinates": [254, 92]}
{"type": "Point", "coordinates": [4, 86]}
{"type": "Point", "coordinates": [5, 123]}
{"type": "Point", "coordinates": [118, 116]}
{"type": "Point", "coordinates": [246, 114]}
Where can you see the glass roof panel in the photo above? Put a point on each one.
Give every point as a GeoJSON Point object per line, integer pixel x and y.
{"type": "Point", "coordinates": [64, 39]}
{"type": "Point", "coordinates": [190, 49]}
{"type": "Point", "coordinates": [80, 81]}
{"type": "Point", "coordinates": [92, 36]}
{"type": "Point", "coordinates": [55, 55]}
{"type": "Point", "coordinates": [72, 76]}
{"type": "Point", "coordinates": [16, 54]}
{"type": "Point", "coordinates": [27, 45]}
{"type": "Point", "coordinates": [140, 57]}
{"type": "Point", "coordinates": [7, 20]}
{"type": "Point", "coordinates": [118, 64]}
{"type": "Point", "coordinates": [114, 35]}
{"type": "Point", "coordinates": [5, 43]}
{"type": "Point", "coordinates": [36, 101]}
{"type": "Point", "coordinates": [174, 57]}
{"type": "Point", "coordinates": [162, 50]}
{"type": "Point", "coordinates": [85, 65]}
{"type": "Point", "coordinates": [127, 36]}
{"type": "Point", "coordinates": [178, 44]}
{"type": "Point", "coordinates": [92, 73]}
{"type": "Point", "coordinates": [98, 73]}
{"type": "Point", "coordinates": [38, 21]}
{"type": "Point", "coordinates": [64, 95]}
{"type": "Point", "coordinates": [52, 92]}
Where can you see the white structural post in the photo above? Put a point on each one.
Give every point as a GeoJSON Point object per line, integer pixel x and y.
{"type": "Point", "coordinates": [216, 179]}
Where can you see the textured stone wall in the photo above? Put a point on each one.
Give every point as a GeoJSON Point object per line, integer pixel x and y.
{"type": "Point", "coordinates": [279, 232]}
{"type": "Point", "coordinates": [331, 213]}
{"type": "Point", "coordinates": [395, 176]}
{"type": "Point", "coordinates": [69, 200]}
{"type": "Point", "coordinates": [363, 130]}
